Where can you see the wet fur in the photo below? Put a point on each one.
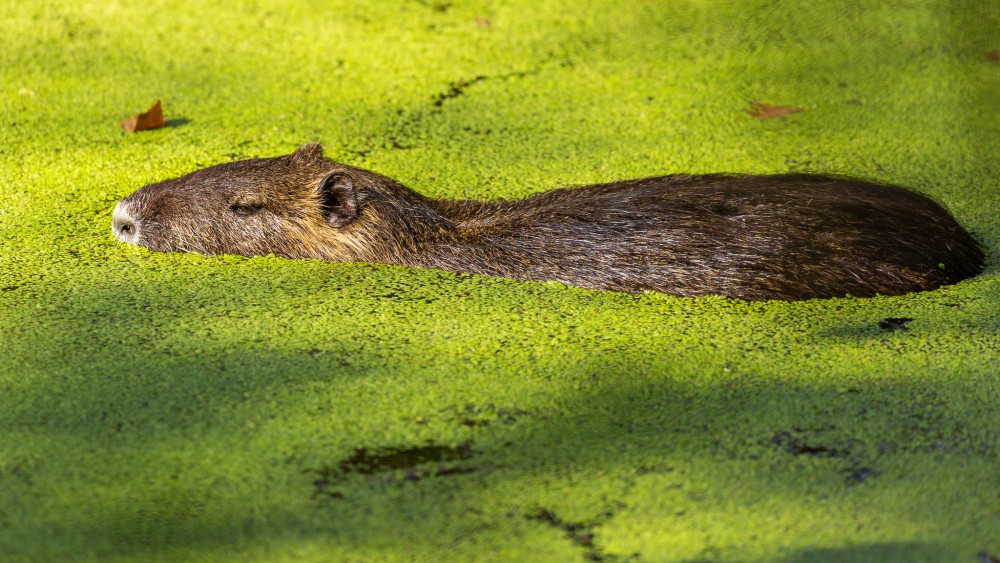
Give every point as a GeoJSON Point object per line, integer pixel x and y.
{"type": "Point", "coordinates": [788, 236]}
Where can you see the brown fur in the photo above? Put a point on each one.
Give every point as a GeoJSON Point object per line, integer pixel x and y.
{"type": "Point", "coordinates": [787, 236]}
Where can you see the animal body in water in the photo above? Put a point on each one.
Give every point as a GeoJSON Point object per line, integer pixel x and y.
{"type": "Point", "coordinates": [755, 237]}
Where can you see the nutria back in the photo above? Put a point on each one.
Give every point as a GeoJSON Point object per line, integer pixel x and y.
{"type": "Point", "coordinates": [786, 236]}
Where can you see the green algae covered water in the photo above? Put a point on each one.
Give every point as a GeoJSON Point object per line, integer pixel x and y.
{"type": "Point", "coordinates": [178, 407]}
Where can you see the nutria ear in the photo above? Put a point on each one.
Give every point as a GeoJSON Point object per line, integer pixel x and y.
{"type": "Point", "coordinates": [340, 205]}
{"type": "Point", "coordinates": [308, 153]}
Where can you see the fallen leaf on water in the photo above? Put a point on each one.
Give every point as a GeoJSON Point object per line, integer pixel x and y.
{"type": "Point", "coordinates": [152, 119]}
{"type": "Point", "coordinates": [993, 56]}
{"type": "Point", "coordinates": [764, 111]}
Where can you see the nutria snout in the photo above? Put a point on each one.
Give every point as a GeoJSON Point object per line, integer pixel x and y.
{"type": "Point", "coordinates": [755, 237]}
{"type": "Point", "coordinates": [123, 225]}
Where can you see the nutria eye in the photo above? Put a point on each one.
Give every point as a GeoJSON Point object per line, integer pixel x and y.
{"type": "Point", "coordinates": [246, 208]}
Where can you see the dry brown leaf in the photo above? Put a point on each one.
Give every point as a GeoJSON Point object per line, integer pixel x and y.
{"type": "Point", "coordinates": [152, 119]}
{"type": "Point", "coordinates": [764, 111]}
{"type": "Point", "coordinates": [993, 56]}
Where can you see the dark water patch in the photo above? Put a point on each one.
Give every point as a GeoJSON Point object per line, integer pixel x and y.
{"type": "Point", "coordinates": [369, 462]}
{"type": "Point", "coordinates": [392, 463]}
{"type": "Point", "coordinates": [580, 533]}
{"type": "Point", "coordinates": [796, 445]}
{"type": "Point", "coordinates": [456, 89]}
{"type": "Point", "coordinates": [486, 415]}
{"type": "Point", "coordinates": [894, 323]}
{"type": "Point", "coordinates": [440, 6]}
{"type": "Point", "coordinates": [860, 475]}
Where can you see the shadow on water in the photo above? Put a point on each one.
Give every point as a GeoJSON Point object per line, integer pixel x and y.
{"type": "Point", "coordinates": [149, 375]}
{"type": "Point", "coordinates": [898, 551]}
{"type": "Point", "coordinates": [889, 551]}
{"type": "Point", "coordinates": [176, 122]}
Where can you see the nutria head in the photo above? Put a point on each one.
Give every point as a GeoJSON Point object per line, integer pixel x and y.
{"type": "Point", "coordinates": [297, 206]}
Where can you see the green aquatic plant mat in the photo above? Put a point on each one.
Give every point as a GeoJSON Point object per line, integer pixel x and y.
{"type": "Point", "coordinates": [187, 408]}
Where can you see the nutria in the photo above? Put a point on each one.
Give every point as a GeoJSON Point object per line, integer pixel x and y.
{"type": "Point", "coordinates": [785, 236]}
